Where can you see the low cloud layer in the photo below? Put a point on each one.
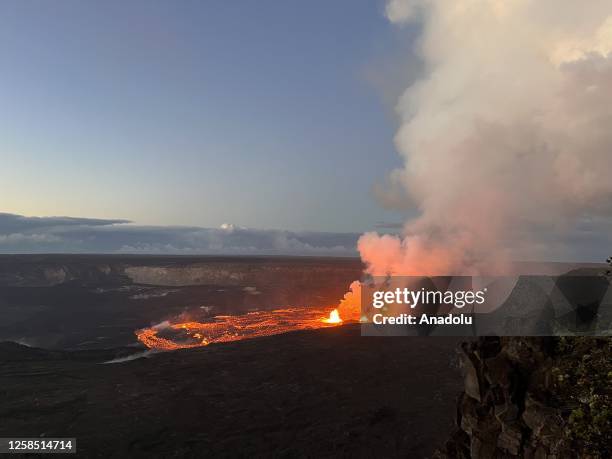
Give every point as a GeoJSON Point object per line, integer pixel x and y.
{"type": "Point", "coordinates": [20, 234]}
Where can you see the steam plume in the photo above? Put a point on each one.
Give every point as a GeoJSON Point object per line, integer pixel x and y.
{"type": "Point", "coordinates": [507, 140]}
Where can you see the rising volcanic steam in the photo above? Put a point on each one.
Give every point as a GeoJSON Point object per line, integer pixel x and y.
{"type": "Point", "coordinates": [506, 138]}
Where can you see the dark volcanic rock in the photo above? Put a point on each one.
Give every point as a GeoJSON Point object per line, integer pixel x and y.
{"type": "Point", "coordinates": [321, 393]}
{"type": "Point", "coordinates": [510, 407]}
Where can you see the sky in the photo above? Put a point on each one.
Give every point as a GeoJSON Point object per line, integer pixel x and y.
{"type": "Point", "coordinates": [265, 115]}
{"type": "Point", "coordinates": [293, 127]}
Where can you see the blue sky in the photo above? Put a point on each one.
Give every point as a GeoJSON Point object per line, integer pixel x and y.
{"type": "Point", "coordinates": [268, 114]}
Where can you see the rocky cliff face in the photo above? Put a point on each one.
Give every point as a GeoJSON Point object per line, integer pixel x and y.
{"type": "Point", "coordinates": [538, 398]}
{"type": "Point", "coordinates": [50, 270]}
{"type": "Point", "coordinates": [241, 273]}
{"type": "Point", "coordinates": [47, 272]}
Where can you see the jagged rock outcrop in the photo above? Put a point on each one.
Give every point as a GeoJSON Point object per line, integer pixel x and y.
{"type": "Point", "coordinates": [512, 405]}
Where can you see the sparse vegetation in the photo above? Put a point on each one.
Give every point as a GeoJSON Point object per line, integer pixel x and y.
{"type": "Point", "coordinates": [583, 382]}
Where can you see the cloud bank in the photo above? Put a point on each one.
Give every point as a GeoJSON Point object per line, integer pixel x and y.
{"type": "Point", "coordinates": [20, 234]}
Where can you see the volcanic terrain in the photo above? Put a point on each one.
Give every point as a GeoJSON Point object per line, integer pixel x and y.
{"type": "Point", "coordinates": [71, 364]}
{"type": "Point", "coordinates": [311, 393]}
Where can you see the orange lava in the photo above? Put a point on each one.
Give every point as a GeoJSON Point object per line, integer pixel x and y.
{"type": "Point", "coordinates": [223, 329]}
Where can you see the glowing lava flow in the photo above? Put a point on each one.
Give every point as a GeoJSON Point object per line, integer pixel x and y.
{"type": "Point", "coordinates": [224, 329]}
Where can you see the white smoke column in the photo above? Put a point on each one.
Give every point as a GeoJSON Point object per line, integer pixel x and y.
{"type": "Point", "coordinates": [507, 140]}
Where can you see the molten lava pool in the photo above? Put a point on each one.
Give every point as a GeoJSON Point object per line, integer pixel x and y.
{"type": "Point", "coordinates": [223, 329]}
